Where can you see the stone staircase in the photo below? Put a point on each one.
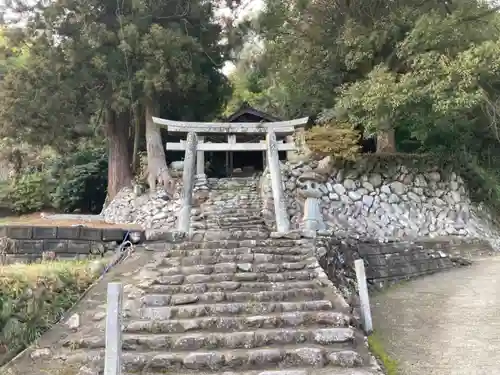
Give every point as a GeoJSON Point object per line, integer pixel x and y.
{"type": "Point", "coordinates": [233, 204]}
{"type": "Point", "coordinates": [223, 303]}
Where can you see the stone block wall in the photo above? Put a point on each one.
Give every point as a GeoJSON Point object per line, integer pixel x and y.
{"type": "Point", "coordinates": [391, 262]}
{"type": "Point", "coordinates": [152, 211]}
{"type": "Point", "coordinates": [385, 199]}
{"type": "Point", "coordinates": [30, 243]}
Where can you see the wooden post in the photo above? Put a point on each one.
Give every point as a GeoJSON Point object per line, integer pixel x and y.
{"type": "Point", "coordinates": [188, 174]}
{"type": "Point", "coordinates": [282, 221]}
{"type": "Point", "coordinates": [113, 350]}
{"type": "Point", "coordinates": [366, 314]}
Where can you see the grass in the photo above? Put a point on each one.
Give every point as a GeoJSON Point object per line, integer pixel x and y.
{"type": "Point", "coordinates": [377, 348]}
{"type": "Point", "coordinates": [34, 296]}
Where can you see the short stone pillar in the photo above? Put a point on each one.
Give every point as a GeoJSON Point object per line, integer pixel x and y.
{"type": "Point", "coordinates": [309, 184]}
{"type": "Point", "coordinates": [282, 220]}
{"type": "Point", "coordinates": [188, 176]}
{"type": "Point", "coordinates": [113, 348]}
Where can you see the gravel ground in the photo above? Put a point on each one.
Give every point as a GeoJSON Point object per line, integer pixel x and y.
{"type": "Point", "coordinates": [444, 324]}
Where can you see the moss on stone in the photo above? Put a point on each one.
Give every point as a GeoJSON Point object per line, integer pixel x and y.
{"type": "Point", "coordinates": [377, 348]}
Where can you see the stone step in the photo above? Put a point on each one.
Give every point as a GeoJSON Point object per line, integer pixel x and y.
{"type": "Point", "coordinates": [222, 235]}
{"type": "Point", "coordinates": [224, 257]}
{"type": "Point", "coordinates": [239, 213]}
{"type": "Point", "coordinates": [294, 371]}
{"type": "Point", "coordinates": [237, 224]}
{"type": "Point", "coordinates": [237, 227]}
{"type": "Point", "coordinates": [210, 210]}
{"type": "Point", "coordinates": [339, 338]}
{"type": "Point", "coordinates": [234, 188]}
{"type": "Point", "coordinates": [260, 227]}
{"type": "Point", "coordinates": [231, 286]}
{"type": "Point", "coordinates": [222, 199]}
{"type": "Point", "coordinates": [219, 196]}
{"type": "Point", "coordinates": [234, 220]}
{"type": "Point", "coordinates": [330, 319]}
{"type": "Point", "coordinates": [237, 308]}
{"type": "Point", "coordinates": [231, 210]}
{"type": "Point", "coordinates": [218, 360]}
{"type": "Point", "coordinates": [235, 251]}
{"type": "Point", "coordinates": [303, 294]}
{"type": "Point", "coordinates": [239, 268]}
{"type": "Point", "coordinates": [241, 228]}
{"type": "Point", "coordinates": [216, 196]}
{"type": "Point", "coordinates": [230, 206]}
{"type": "Point", "coordinates": [232, 258]}
{"type": "Point", "coordinates": [237, 243]}
{"type": "Point", "coordinates": [196, 278]}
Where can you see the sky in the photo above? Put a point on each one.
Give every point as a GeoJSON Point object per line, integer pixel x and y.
{"type": "Point", "coordinates": [249, 7]}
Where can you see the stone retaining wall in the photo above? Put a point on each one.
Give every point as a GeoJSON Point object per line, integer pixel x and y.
{"type": "Point", "coordinates": [29, 243]}
{"type": "Point", "coordinates": [389, 263]}
{"type": "Point", "coordinates": [385, 199]}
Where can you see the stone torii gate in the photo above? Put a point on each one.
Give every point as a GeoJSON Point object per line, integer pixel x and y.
{"type": "Point", "coordinates": [195, 147]}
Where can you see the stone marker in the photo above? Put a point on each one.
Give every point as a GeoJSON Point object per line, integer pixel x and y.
{"type": "Point", "coordinates": [366, 315]}
{"type": "Point", "coordinates": [113, 354]}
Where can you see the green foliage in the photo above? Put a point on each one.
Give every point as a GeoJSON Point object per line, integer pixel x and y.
{"type": "Point", "coordinates": [33, 297]}
{"type": "Point", "coordinates": [377, 348]}
{"type": "Point", "coordinates": [338, 139]}
{"type": "Point", "coordinates": [81, 181]}
{"type": "Point", "coordinates": [430, 72]}
{"type": "Point", "coordinates": [112, 56]}
{"type": "Point", "coordinates": [74, 182]}
{"type": "Point", "coordinates": [29, 192]}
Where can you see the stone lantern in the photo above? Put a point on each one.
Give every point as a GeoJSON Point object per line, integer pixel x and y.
{"type": "Point", "coordinates": [309, 187]}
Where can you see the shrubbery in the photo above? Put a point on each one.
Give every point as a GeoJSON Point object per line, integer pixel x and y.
{"type": "Point", "coordinates": [339, 140]}
{"type": "Point", "coordinates": [81, 181]}
{"type": "Point", "coordinates": [77, 182]}
{"type": "Point", "coordinates": [34, 296]}
{"type": "Point", "coordinates": [28, 192]}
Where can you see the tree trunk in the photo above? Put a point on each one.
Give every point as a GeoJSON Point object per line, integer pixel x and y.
{"type": "Point", "coordinates": [119, 173]}
{"type": "Point", "coordinates": [135, 151]}
{"type": "Point", "coordinates": [157, 164]}
{"type": "Point", "coordinates": [386, 139]}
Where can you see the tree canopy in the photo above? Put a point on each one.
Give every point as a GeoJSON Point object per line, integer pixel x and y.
{"type": "Point", "coordinates": [94, 63]}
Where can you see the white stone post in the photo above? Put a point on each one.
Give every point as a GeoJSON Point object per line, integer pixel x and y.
{"type": "Point", "coordinates": [282, 221]}
{"type": "Point", "coordinates": [187, 183]}
{"type": "Point", "coordinates": [366, 314]}
{"type": "Point", "coordinates": [113, 350]}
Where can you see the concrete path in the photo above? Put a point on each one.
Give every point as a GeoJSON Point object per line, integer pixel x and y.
{"type": "Point", "coordinates": [444, 324]}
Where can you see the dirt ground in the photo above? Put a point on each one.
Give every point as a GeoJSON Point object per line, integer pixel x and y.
{"type": "Point", "coordinates": [39, 219]}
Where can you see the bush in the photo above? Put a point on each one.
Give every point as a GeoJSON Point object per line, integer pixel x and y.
{"type": "Point", "coordinates": [339, 140]}
{"type": "Point", "coordinates": [28, 193]}
{"type": "Point", "coordinates": [33, 297]}
{"type": "Point", "coordinates": [81, 181]}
